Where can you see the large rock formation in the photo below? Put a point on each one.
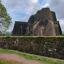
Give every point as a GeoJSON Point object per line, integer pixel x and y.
{"type": "Point", "coordinates": [43, 23]}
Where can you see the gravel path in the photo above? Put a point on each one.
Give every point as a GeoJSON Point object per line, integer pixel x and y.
{"type": "Point", "coordinates": [17, 59]}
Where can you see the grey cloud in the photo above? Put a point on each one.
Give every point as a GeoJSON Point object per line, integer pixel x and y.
{"type": "Point", "coordinates": [28, 6]}
{"type": "Point", "coordinates": [25, 6]}
{"type": "Point", "coordinates": [62, 25]}
{"type": "Point", "coordinates": [58, 7]}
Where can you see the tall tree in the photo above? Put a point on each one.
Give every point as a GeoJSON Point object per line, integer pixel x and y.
{"type": "Point", "coordinates": [6, 20]}
{"type": "Point", "coordinates": [5, 15]}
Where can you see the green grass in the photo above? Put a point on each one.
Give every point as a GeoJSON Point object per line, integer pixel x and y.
{"type": "Point", "coordinates": [60, 36]}
{"type": "Point", "coordinates": [46, 60]}
{"type": "Point", "coordinates": [8, 62]}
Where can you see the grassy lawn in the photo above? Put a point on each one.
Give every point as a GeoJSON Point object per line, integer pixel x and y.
{"type": "Point", "coordinates": [42, 59]}
{"type": "Point", "coordinates": [8, 62]}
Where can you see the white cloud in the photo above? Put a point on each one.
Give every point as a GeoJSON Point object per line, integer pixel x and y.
{"type": "Point", "coordinates": [62, 24]}
{"type": "Point", "coordinates": [15, 7]}
{"type": "Point", "coordinates": [31, 6]}
{"type": "Point", "coordinates": [46, 5]}
{"type": "Point", "coordinates": [58, 7]}
{"type": "Point", "coordinates": [34, 1]}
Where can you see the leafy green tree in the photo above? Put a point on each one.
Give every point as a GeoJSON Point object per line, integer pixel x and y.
{"type": "Point", "coordinates": [6, 18]}
{"type": "Point", "coordinates": [5, 15]}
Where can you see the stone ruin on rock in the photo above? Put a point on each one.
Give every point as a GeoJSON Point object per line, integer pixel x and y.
{"type": "Point", "coordinates": [43, 23]}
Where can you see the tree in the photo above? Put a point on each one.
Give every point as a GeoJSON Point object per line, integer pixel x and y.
{"type": "Point", "coordinates": [3, 13]}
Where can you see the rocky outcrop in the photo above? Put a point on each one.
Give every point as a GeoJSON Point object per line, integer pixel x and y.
{"type": "Point", "coordinates": [43, 23]}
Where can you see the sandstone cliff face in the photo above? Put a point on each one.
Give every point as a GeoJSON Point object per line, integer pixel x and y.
{"type": "Point", "coordinates": [43, 23]}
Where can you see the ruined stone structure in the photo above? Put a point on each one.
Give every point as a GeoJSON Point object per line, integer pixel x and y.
{"type": "Point", "coordinates": [43, 23]}
{"type": "Point", "coordinates": [20, 28]}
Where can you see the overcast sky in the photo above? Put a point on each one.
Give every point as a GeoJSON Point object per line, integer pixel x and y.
{"type": "Point", "coordinates": [22, 9]}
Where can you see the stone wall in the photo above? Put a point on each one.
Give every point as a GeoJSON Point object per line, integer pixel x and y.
{"type": "Point", "coordinates": [46, 46]}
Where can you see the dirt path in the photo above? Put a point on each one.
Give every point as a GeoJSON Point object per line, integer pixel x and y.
{"type": "Point", "coordinates": [17, 58]}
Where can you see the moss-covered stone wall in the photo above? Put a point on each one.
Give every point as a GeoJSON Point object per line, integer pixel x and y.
{"type": "Point", "coordinates": [46, 46]}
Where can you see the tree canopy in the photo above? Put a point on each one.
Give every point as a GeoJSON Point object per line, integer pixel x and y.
{"type": "Point", "coordinates": [5, 15]}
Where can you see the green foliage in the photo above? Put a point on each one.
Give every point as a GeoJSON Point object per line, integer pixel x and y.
{"type": "Point", "coordinates": [63, 34]}
{"type": "Point", "coordinates": [7, 34]}
{"type": "Point", "coordinates": [3, 13]}
{"type": "Point", "coordinates": [8, 62]}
